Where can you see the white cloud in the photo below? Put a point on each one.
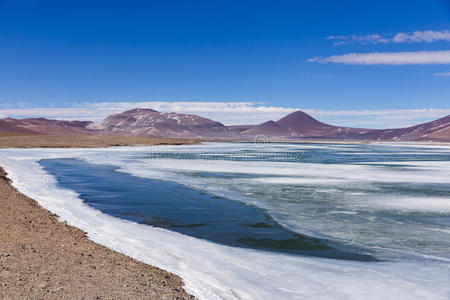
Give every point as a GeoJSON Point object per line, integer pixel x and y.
{"type": "Point", "coordinates": [388, 58]}
{"type": "Point", "coordinates": [427, 36]}
{"type": "Point", "coordinates": [384, 118]}
{"type": "Point", "coordinates": [362, 39]}
{"type": "Point", "coordinates": [445, 74]}
{"type": "Point", "coordinates": [238, 113]}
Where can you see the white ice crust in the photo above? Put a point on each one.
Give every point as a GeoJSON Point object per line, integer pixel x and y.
{"type": "Point", "coordinates": [212, 271]}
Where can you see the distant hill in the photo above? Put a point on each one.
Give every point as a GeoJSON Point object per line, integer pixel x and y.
{"type": "Point", "coordinates": [43, 126]}
{"type": "Point", "coordinates": [301, 125]}
{"type": "Point", "coordinates": [238, 129]}
{"type": "Point", "coordinates": [269, 128]}
{"type": "Point", "coordinates": [438, 130]}
{"type": "Point", "coordinates": [148, 122]}
{"type": "Point", "coordinates": [10, 128]}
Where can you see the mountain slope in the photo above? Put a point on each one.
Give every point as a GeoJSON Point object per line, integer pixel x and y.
{"type": "Point", "coordinates": [10, 128]}
{"type": "Point", "coordinates": [434, 130]}
{"type": "Point", "coordinates": [44, 126]}
{"type": "Point", "coordinates": [148, 122]}
{"type": "Point", "coordinates": [301, 125]}
{"type": "Point", "coordinates": [269, 128]}
{"type": "Point", "coordinates": [240, 128]}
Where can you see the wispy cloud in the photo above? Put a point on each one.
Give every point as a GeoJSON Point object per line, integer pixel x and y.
{"type": "Point", "coordinates": [444, 74]}
{"type": "Point", "coordinates": [427, 36]}
{"type": "Point", "coordinates": [388, 58]}
{"type": "Point", "coordinates": [237, 113]}
{"type": "Point", "coordinates": [383, 118]}
{"type": "Point", "coordinates": [362, 39]}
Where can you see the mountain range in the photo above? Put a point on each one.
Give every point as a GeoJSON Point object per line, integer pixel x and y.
{"type": "Point", "coordinates": [148, 122]}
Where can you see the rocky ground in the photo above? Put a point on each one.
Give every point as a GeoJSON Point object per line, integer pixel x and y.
{"type": "Point", "coordinates": [42, 258]}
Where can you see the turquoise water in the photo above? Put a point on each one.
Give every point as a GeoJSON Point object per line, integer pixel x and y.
{"type": "Point", "coordinates": [362, 202]}
{"type": "Point", "coordinates": [392, 199]}
{"type": "Point", "coordinates": [178, 208]}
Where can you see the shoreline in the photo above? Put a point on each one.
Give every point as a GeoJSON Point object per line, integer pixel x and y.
{"type": "Point", "coordinates": [99, 141]}
{"type": "Point", "coordinates": [86, 141]}
{"type": "Point", "coordinates": [350, 142]}
{"type": "Point", "coordinates": [41, 257]}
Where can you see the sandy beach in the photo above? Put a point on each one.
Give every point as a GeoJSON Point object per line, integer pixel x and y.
{"type": "Point", "coordinates": [41, 257]}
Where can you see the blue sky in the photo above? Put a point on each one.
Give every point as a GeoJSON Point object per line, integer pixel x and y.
{"type": "Point", "coordinates": [90, 58]}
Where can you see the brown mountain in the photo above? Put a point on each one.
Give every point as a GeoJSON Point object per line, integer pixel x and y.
{"type": "Point", "coordinates": [269, 128]}
{"type": "Point", "coordinates": [148, 122]}
{"type": "Point", "coordinates": [10, 128]}
{"type": "Point", "coordinates": [438, 130]}
{"type": "Point", "coordinates": [238, 129]}
{"type": "Point", "coordinates": [44, 126]}
{"type": "Point", "coordinates": [301, 125]}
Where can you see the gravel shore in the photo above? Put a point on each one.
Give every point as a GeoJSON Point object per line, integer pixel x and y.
{"type": "Point", "coordinates": [42, 258]}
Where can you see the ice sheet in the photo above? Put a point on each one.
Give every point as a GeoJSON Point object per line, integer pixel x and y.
{"type": "Point", "coordinates": [213, 271]}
